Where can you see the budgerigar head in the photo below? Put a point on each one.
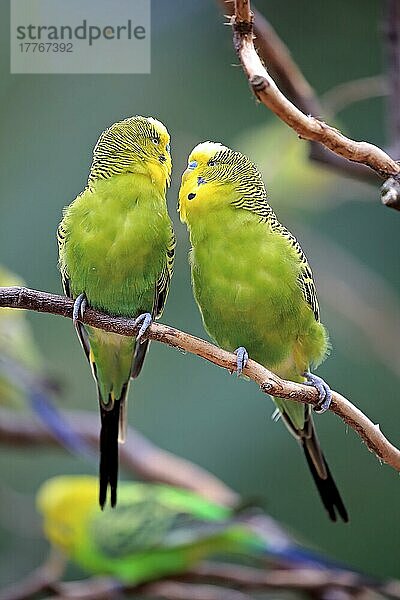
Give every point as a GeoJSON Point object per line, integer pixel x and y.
{"type": "Point", "coordinates": [65, 502]}
{"type": "Point", "coordinates": [217, 176]}
{"type": "Point", "coordinates": [135, 145]}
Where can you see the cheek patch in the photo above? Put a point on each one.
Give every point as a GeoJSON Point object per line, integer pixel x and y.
{"type": "Point", "coordinates": [200, 180]}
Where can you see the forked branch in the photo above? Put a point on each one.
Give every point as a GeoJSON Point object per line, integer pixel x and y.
{"type": "Point", "coordinates": [307, 126]}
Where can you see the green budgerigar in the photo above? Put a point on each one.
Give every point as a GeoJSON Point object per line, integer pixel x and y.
{"type": "Point", "coordinates": [116, 251]}
{"type": "Point", "coordinates": [156, 530]}
{"type": "Point", "coordinates": [255, 288]}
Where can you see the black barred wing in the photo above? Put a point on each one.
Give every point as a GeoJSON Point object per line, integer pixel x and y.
{"type": "Point", "coordinates": [160, 297]}
{"type": "Point", "coordinates": [164, 280]}
{"type": "Point", "coordinates": [305, 279]}
{"type": "Point", "coordinates": [307, 285]}
{"type": "Point", "coordinates": [80, 329]}
{"type": "Point", "coordinates": [253, 197]}
{"type": "Point", "coordinates": [130, 527]}
{"type": "Point", "coordinates": [144, 525]}
{"type": "Point", "coordinates": [61, 238]}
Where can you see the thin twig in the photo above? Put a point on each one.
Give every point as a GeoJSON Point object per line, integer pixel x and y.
{"type": "Point", "coordinates": [274, 53]}
{"type": "Point", "coordinates": [343, 95]}
{"type": "Point", "coordinates": [214, 581]}
{"type": "Point", "coordinates": [210, 581]}
{"type": "Point", "coordinates": [305, 125]}
{"type": "Point", "coordinates": [297, 578]}
{"type": "Point", "coordinates": [20, 297]}
{"type": "Point", "coordinates": [105, 589]}
{"type": "Point", "coordinates": [38, 581]}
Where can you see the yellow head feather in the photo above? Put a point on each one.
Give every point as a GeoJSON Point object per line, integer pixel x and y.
{"type": "Point", "coordinates": [65, 502]}
{"type": "Point", "coordinates": [217, 176]}
{"type": "Point", "coordinates": [135, 145]}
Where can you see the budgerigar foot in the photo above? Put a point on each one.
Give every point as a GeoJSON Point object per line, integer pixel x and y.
{"type": "Point", "coordinates": [80, 306]}
{"type": "Point", "coordinates": [241, 359]}
{"type": "Point", "coordinates": [145, 320]}
{"type": "Point", "coordinates": [323, 389]}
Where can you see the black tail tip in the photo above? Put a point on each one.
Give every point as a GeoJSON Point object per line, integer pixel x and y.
{"type": "Point", "coordinates": [108, 468]}
{"type": "Point", "coordinates": [103, 494]}
{"type": "Point", "coordinates": [336, 509]}
{"type": "Point", "coordinates": [332, 500]}
{"type": "Point", "coordinates": [328, 491]}
{"type": "Point", "coordinates": [103, 501]}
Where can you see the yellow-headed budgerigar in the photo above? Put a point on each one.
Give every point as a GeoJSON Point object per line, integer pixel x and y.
{"type": "Point", "coordinates": [155, 531]}
{"type": "Point", "coordinates": [24, 383]}
{"type": "Point", "coordinates": [116, 251]}
{"type": "Point", "coordinates": [255, 288]}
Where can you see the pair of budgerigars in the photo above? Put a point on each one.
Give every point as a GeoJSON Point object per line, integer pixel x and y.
{"type": "Point", "coordinates": [251, 280]}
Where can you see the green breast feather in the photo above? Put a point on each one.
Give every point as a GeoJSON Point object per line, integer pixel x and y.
{"type": "Point", "coordinates": [116, 240]}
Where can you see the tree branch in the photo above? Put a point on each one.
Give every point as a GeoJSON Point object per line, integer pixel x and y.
{"type": "Point", "coordinates": [20, 297]}
{"type": "Point", "coordinates": [328, 145]}
{"type": "Point", "coordinates": [273, 52]}
{"type": "Point", "coordinates": [306, 579]}
{"type": "Point", "coordinates": [105, 589]}
{"type": "Point", "coordinates": [209, 581]}
{"type": "Point", "coordinates": [343, 95]}
{"type": "Point", "coordinates": [40, 580]}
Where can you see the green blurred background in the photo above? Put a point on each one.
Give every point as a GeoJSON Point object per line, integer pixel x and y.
{"type": "Point", "coordinates": [48, 126]}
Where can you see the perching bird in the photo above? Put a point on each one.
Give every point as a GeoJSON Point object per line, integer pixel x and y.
{"type": "Point", "coordinates": [255, 289]}
{"type": "Point", "coordinates": [24, 383]}
{"type": "Point", "coordinates": [155, 531]}
{"type": "Point", "coordinates": [116, 251]}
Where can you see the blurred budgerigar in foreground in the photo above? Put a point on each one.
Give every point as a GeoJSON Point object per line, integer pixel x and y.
{"type": "Point", "coordinates": [255, 288]}
{"type": "Point", "coordinates": [116, 251]}
{"type": "Point", "coordinates": [155, 530]}
{"type": "Point", "coordinates": [24, 383]}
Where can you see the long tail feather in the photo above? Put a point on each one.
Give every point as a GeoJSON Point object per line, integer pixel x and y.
{"type": "Point", "coordinates": [326, 486]}
{"type": "Point", "coordinates": [138, 358]}
{"type": "Point", "coordinates": [109, 452]}
{"type": "Point", "coordinates": [113, 426]}
{"type": "Point", "coordinates": [318, 466]}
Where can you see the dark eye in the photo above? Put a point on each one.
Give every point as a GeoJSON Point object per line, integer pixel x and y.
{"type": "Point", "coordinates": [155, 140]}
{"type": "Point", "coordinates": [211, 163]}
